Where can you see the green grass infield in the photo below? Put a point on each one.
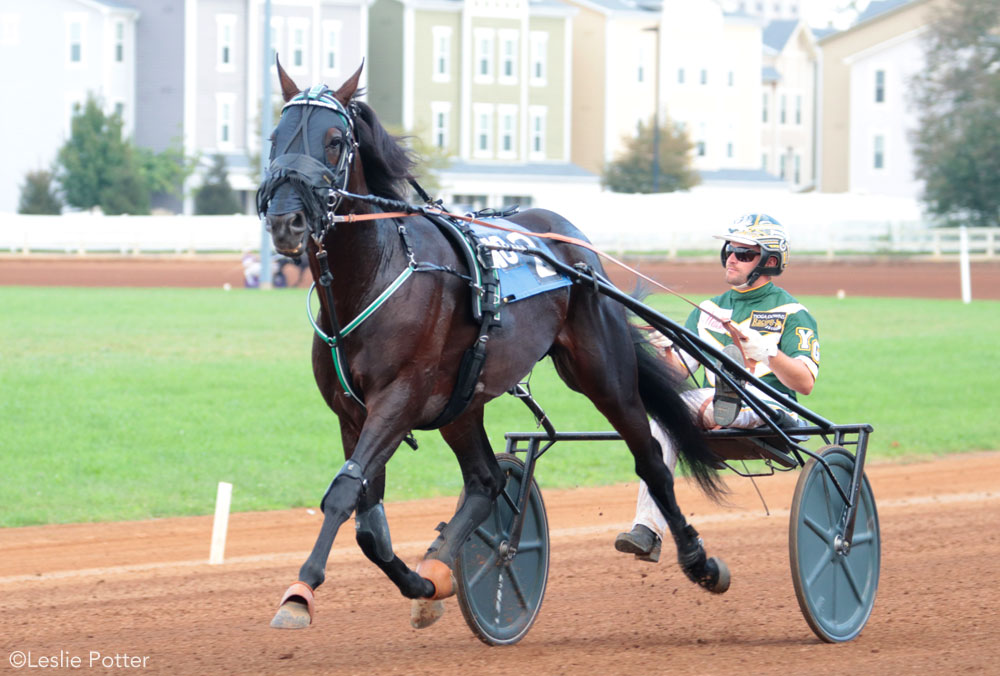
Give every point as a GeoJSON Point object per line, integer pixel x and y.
{"type": "Point", "coordinates": [122, 404]}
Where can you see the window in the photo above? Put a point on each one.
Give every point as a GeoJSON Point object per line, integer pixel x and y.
{"type": "Point", "coordinates": [763, 161]}
{"type": "Point", "coordinates": [539, 58]}
{"type": "Point", "coordinates": [75, 34]}
{"type": "Point", "coordinates": [731, 79]}
{"type": "Point", "coordinates": [508, 131]}
{"type": "Point", "coordinates": [298, 35]}
{"type": "Point", "coordinates": [440, 123]}
{"type": "Point", "coordinates": [441, 50]}
{"type": "Point", "coordinates": [119, 41]}
{"type": "Point", "coordinates": [798, 169]}
{"type": "Point", "coordinates": [482, 142]}
{"type": "Point", "coordinates": [120, 110]}
{"type": "Point", "coordinates": [764, 108]}
{"type": "Point", "coordinates": [484, 50]}
{"type": "Point", "coordinates": [640, 75]}
{"type": "Point", "coordinates": [781, 166]}
{"type": "Point", "coordinates": [10, 30]}
{"type": "Point", "coordinates": [880, 86]}
{"type": "Point", "coordinates": [523, 201]}
{"type": "Point", "coordinates": [469, 203]}
{"type": "Point", "coordinates": [704, 76]}
{"type": "Point", "coordinates": [537, 116]}
{"type": "Point", "coordinates": [879, 158]}
{"type": "Point", "coordinates": [331, 47]}
{"type": "Point", "coordinates": [729, 150]}
{"type": "Point", "coordinates": [798, 109]}
{"type": "Point", "coordinates": [277, 47]}
{"type": "Point", "coordinates": [225, 25]}
{"type": "Point", "coordinates": [680, 76]}
{"type": "Point", "coordinates": [225, 106]}
{"type": "Point", "coordinates": [700, 148]}
{"type": "Point", "coordinates": [782, 113]}
{"type": "Point", "coordinates": [508, 56]}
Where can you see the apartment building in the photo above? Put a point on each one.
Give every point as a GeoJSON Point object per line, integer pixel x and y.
{"type": "Point", "coordinates": [488, 82]}
{"type": "Point", "coordinates": [790, 60]}
{"type": "Point", "coordinates": [864, 117]}
{"type": "Point", "coordinates": [54, 55]}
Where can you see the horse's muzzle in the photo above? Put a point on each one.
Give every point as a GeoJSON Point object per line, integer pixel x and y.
{"type": "Point", "coordinates": [288, 232]}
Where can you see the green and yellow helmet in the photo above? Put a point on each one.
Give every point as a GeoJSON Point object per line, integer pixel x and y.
{"type": "Point", "coordinates": [768, 234]}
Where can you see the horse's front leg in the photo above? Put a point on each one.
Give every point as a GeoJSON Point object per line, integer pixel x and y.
{"type": "Point", "coordinates": [361, 473]}
{"type": "Point", "coordinates": [483, 481]}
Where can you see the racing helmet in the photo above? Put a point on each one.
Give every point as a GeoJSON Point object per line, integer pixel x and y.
{"type": "Point", "coordinates": [768, 234]}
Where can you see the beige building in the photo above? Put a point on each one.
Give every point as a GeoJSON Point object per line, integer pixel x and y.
{"type": "Point", "coordinates": [788, 102]}
{"type": "Point", "coordinates": [488, 83]}
{"type": "Point", "coordinates": [710, 75]}
{"type": "Point", "coordinates": [864, 116]}
{"type": "Point", "coordinates": [614, 77]}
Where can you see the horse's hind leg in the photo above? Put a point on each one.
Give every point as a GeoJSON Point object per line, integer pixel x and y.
{"type": "Point", "coordinates": [612, 385]}
{"type": "Point", "coordinates": [483, 481]}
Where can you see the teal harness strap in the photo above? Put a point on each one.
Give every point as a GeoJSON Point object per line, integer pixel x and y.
{"type": "Point", "coordinates": [353, 324]}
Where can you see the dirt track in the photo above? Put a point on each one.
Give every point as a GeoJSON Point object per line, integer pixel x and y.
{"type": "Point", "coordinates": [859, 278]}
{"type": "Point", "coordinates": [144, 589]}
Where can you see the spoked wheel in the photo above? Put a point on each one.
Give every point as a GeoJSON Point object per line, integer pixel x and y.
{"type": "Point", "coordinates": [836, 590]}
{"type": "Point", "coordinates": [501, 593]}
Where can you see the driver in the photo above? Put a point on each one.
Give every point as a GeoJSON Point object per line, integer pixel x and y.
{"type": "Point", "coordinates": [780, 342]}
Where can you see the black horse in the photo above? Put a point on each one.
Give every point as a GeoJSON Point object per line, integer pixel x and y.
{"type": "Point", "coordinates": [396, 371]}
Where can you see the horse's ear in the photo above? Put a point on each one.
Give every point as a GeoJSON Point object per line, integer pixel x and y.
{"type": "Point", "coordinates": [347, 89]}
{"type": "Point", "coordinates": [288, 88]}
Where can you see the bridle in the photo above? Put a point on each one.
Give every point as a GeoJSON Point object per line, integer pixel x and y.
{"type": "Point", "coordinates": [319, 185]}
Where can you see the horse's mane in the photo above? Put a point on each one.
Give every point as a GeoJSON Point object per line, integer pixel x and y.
{"type": "Point", "coordinates": [388, 164]}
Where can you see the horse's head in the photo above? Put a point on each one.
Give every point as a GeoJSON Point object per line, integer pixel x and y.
{"type": "Point", "coordinates": [312, 155]}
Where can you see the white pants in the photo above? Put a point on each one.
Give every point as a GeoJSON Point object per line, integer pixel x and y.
{"type": "Point", "coordinates": [646, 512]}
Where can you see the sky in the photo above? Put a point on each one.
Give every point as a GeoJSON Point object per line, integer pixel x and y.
{"type": "Point", "coordinates": [819, 13]}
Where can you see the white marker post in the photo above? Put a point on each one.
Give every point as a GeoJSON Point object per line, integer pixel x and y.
{"type": "Point", "coordinates": [963, 263]}
{"type": "Point", "coordinates": [221, 524]}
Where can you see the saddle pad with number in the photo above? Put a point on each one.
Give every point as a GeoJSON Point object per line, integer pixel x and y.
{"type": "Point", "coordinates": [521, 275]}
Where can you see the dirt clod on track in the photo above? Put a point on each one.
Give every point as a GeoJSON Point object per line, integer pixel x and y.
{"type": "Point", "coordinates": [145, 589]}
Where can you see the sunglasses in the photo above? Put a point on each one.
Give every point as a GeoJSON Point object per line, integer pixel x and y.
{"type": "Point", "coordinates": [742, 253]}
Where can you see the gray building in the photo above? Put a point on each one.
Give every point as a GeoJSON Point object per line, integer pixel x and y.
{"type": "Point", "coordinates": [179, 71]}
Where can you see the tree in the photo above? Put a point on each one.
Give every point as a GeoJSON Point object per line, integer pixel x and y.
{"type": "Point", "coordinates": [38, 194]}
{"type": "Point", "coordinates": [633, 170]}
{"type": "Point", "coordinates": [100, 168]}
{"type": "Point", "coordinates": [957, 96]}
{"type": "Point", "coordinates": [216, 195]}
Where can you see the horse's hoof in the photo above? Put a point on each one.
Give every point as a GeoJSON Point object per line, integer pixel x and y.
{"type": "Point", "coordinates": [425, 612]}
{"type": "Point", "coordinates": [722, 578]}
{"type": "Point", "coordinates": [292, 615]}
{"type": "Point", "coordinates": [438, 574]}
{"type": "Point", "coordinates": [296, 608]}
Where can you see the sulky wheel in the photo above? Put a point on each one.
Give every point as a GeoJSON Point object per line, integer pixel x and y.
{"type": "Point", "coordinates": [500, 594]}
{"type": "Point", "coordinates": [836, 590]}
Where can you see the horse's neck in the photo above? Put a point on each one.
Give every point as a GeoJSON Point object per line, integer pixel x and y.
{"type": "Point", "coordinates": [364, 257]}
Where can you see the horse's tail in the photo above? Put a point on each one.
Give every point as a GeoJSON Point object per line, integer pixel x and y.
{"type": "Point", "coordinates": [658, 389]}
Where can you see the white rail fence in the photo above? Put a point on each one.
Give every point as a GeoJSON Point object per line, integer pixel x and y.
{"type": "Point", "coordinates": [643, 226]}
